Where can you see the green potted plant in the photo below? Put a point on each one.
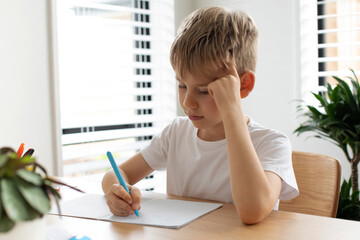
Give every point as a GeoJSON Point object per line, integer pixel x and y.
{"type": "Point", "coordinates": [25, 193]}
{"type": "Point", "coordinates": [337, 118]}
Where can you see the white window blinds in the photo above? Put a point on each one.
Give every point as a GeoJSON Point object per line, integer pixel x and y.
{"type": "Point", "coordinates": [330, 41]}
{"type": "Point", "coordinates": [117, 87]}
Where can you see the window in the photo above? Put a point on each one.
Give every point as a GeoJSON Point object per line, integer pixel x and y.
{"type": "Point", "coordinates": [117, 87]}
{"type": "Point", "coordinates": [330, 41]}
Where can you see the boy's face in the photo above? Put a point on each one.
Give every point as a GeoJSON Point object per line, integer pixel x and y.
{"type": "Point", "coordinates": [198, 105]}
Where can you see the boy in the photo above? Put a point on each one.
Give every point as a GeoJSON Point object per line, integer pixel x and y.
{"type": "Point", "coordinates": [217, 152]}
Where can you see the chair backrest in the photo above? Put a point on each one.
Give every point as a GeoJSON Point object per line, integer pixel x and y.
{"type": "Point", "coordinates": [318, 179]}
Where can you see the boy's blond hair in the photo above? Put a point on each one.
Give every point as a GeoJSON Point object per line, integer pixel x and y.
{"type": "Point", "coordinates": [214, 37]}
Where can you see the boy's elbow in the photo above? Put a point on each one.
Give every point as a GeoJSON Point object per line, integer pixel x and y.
{"type": "Point", "coordinates": [253, 216]}
{"type": "Point", "coordinates": [250, 219]}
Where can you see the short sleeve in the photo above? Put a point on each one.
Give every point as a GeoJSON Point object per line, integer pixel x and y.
{"type": "Point", "coordinates": [155, 154]}
{"type": "Point", "coordinates": [274, 154]}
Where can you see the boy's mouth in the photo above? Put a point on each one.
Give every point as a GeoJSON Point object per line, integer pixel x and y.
{"type": "Point", "coordinates": [195, 118]}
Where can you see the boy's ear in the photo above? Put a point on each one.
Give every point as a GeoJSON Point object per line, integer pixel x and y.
{"type": "Point", "coordinates": [247, 83]}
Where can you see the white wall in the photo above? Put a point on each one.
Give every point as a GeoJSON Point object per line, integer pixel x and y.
{"type": "Point", "coordinates": [26, 102]}
{"type": "Point", "coordinates": [278, 71]}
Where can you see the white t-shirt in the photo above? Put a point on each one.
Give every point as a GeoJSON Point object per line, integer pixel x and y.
{"type": "Point", "coordinates": [200, 169]}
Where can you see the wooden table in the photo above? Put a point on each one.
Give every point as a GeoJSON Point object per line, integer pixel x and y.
{"type": "Point", "coordinates": [219, 224]}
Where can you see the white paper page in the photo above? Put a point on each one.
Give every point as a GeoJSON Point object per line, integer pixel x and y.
{"type": "Point", "coordinates": [154, 212]}
{"type": "Point", "coordinates": [55, 232]}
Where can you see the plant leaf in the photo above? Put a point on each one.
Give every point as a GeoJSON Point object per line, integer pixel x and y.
{"type": "Point", "coordinates": [14, 204]}
{"type": "Point", "coordinates": [329, 88]}
{"type": "Point", "coordinates": [64, 184]}
{"type": "Point", "coordinates": [29, 177]}
{"type": "Point", "coordinates": [3, 160]}
{"type": "Point", "coordinates": [6, 224]}
{"type": "Point", "coordinates": [321, 99]}
{"type": "Point", "coordinates": [35, 195]}
{"type": "Point", "coordinates": [33, 214]}
{"type": "Point", "coordinates": [355, 196]}
{"type": "Point", "coordinates": [1, 209]}
{"type": "Point", "coordinates": [328, 122]}
{"type": "Point", "coordinates": [5, 150]}
{"type": "Point", "coordinates": [41, 167]}
{"type": "Point", "coordinates": [347, 94]}
{"type": "Point", "coordinates": [334, 97]}
{"type": "Point", "coordinates": [26, 160]}
{"type": "Point", "coordinates": [348, 188]}
{"type": "Point", "coordinates": [314, 111]}
{"type": "Point", "coordinates": [52, 192]}
{"type": "Point", "coordinates": [343, 191]}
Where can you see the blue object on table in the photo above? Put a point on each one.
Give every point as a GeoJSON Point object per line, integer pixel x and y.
{"type": "Point", "coordinates": [118, 175]}
{"type": "Point", "coordinates": [80, 238]}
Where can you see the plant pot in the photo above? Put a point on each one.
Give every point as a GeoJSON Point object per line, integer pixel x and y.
{"type": "Point", "coordinates": [29, 230]}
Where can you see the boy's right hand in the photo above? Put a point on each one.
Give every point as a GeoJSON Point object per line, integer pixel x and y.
{"type": "Point", "coordinates": [120, 202]}
{"type": "Point", "coordinates": [226, 90]}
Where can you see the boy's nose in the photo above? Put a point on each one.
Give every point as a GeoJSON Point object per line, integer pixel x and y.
{"type": "Point", "coordinates": [190, 102]}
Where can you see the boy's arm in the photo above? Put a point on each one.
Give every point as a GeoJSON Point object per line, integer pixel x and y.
{"type": "Point", "coordinates": [254, 191]}
{"type": "Point", "coordinates": [119, 201]}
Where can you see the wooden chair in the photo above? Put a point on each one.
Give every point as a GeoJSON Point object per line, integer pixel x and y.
{"type": "Point", "coordinates": [318, 179]}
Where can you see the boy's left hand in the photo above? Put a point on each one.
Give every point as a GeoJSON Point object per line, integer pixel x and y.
{"type": "Point", "coordinates": [226, 90]}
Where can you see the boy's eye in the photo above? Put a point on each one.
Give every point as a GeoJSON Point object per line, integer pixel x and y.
{"type": "Point", "coordinates": [181, 86]}
{"type": "Point", "coordinates": [203, 92]}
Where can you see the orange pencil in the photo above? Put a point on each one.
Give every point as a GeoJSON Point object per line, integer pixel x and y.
{"type": "Point", "coordinates": [20, 150]}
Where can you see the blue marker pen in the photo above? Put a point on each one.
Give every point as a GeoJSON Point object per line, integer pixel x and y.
{"type": "Point", "coordinates": [118, 175]}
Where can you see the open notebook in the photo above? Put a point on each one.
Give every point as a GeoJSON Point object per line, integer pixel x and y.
{"type": "Point", "coordinates": [167, 213]}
